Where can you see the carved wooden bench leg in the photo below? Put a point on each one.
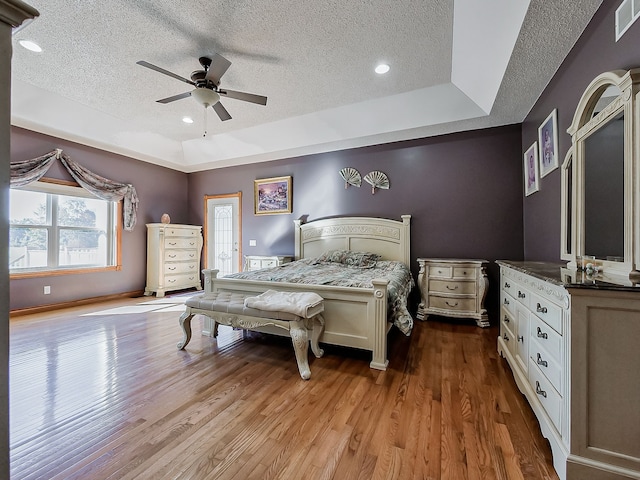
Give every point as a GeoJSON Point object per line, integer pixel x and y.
{"type": "Point", "coordinates": [317, 327]}
{"type": "Point", "coordinates": [215, 328]}
{"type": "Point", "coordinates": [300, 340]}
{"type": "Point", "coordinates": [185, 324]}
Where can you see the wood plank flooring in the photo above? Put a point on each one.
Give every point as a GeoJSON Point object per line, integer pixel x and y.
{"type": "Point", "coordinates": [101, 392]}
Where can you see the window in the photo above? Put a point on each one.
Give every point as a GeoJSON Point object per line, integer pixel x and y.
{"type": "Point", "coordinates": [60, 227]}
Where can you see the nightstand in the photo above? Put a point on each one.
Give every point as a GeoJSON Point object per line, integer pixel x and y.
{"type": "Point", "coordinates": [256, 262]}
{"type": "Point", "coordinates": [453, 288]}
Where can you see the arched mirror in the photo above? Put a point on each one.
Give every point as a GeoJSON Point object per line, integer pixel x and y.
{"type": "Point", "coordinates": [600, 217]}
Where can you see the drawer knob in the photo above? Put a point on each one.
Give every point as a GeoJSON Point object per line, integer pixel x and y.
{"type": "Point", "coordinates": [541, 309]}
{"type": "Point", "coordinates": [539, 391]}
{"type": "Point", "coordinates": [521, 338]}
{"type": "Point", "coordinates": [171, 268]}
{"type": "Point", "coordinates": [172, 256]}
{"type": "Point", "coordinates": [172, 243]}
{"type": "Point", "coordinates": [541, 361]}
{"type": "Point", "coordinates": [454, 288]}
{"type": "Point", "coordinates": [505, 337]}
{"type": "Point", "coordinates": [506, 319]}
{"type": "Point", "coordinates": [521, 295]}
{"type": "Point", "coordinates": [507, 285]}
{"type": "Point", "coordinates": [542, 334]}
{"type": "Point", "coordinates": [506, 302]}
{"type": "Point", "coordinates": [454, 305]}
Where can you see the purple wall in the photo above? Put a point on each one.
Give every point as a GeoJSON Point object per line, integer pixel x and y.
{"type": "Point", "coordinates": [595, 52]}
{"type": "Point", "coordinates": [159, 190]}
{"type": "Point", "coordinates": [464, 192]}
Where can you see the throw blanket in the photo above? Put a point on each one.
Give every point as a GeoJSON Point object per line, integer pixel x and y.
{"type": "Point", "coordinates": [302, 304]}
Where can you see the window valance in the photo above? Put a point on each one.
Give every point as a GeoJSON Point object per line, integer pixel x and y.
{"type": "Point", "coordinates": [24, 172]}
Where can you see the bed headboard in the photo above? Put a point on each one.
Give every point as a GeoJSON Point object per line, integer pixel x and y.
{"type": "Point", "coordinates": [388, 238]}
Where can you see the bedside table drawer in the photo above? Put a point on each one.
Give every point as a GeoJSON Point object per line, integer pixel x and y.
{"type": "Point", "coordinates": [464, 272]}
{"type": "Point", "coordinates": [440, 271]}
{"type": "Point", "coordinates": [449, 286]}
{"type": "Point", "coordinates": [255, 264]}
{"type": "Point", "coordinates": [452, 303]}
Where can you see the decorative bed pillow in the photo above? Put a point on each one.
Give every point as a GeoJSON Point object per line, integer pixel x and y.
{"type": "Point", "coordinates": [347, 257]}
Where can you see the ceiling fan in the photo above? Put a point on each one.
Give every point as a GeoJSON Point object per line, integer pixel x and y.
{"type": "Point", "coordinates": [207, 83]}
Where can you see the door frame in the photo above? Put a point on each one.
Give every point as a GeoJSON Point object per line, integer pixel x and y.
{"type": "Point", "coordinates": [237, 195]}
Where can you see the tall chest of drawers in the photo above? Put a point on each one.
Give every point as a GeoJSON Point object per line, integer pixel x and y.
{"type": "Point", "coordinates": [173, 257]}
{"type": "Point", "coordinates": [453, 288]}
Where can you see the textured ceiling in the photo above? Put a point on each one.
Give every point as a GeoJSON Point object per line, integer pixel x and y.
{"type": "Point", "coordinates": [455, 65]}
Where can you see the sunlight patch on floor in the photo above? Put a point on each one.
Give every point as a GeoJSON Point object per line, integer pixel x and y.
{"type": "Point", "coordinates": [161, 305]}
{"type": "Point", "coordinates": [125, 310]}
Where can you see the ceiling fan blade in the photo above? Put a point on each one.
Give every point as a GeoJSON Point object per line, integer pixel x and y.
{"type": "Point", "coordinates": [174, 98]}
{"type": "Point", "coordinates": [246, 97]}
{"type": "Point", "coordinates": [221, 111]}
{"type": "Point", "coordinates": [166, 72]}
{"type": "Point", "coordinates": [217, 69]}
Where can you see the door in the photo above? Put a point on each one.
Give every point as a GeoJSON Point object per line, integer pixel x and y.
{"type": "Point", "coordinates": [222, 232]}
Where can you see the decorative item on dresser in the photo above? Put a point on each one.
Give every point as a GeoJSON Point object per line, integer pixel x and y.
{"type": "Point", "coordinates": [173, 257]}
{"type": "Point", "coordinates": [453, 288]}
{"type": "Point", "coordinates": [257, 262]}
{"type": "Point", "coordinates": [570, 340]}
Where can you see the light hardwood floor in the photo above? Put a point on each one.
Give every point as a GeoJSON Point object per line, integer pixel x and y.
{"type": "Point", "coordinates": [101, 392]}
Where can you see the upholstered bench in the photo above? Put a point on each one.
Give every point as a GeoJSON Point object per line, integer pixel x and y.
{"type": "Point", "coordinates": [227, 308]}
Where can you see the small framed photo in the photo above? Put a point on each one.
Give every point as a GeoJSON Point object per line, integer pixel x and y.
{"type": "Point", "coordinates": [272, 195]}
{"type": "Point", "coordinates": [548, 141]}
{"type": "Point", "coordinates": [531, 174]}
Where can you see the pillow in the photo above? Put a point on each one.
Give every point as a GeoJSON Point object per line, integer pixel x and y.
{"type": "Point", "coordinates": [349, 258]}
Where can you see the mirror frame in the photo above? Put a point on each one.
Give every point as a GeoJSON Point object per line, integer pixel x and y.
{"type": "Point", "coordinates": [584, 124]}
{"type": "Point", "coordinates": [567, 174]}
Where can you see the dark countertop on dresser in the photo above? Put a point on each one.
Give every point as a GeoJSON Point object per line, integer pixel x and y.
{"type": "Point", "coordinates": [559, 274]}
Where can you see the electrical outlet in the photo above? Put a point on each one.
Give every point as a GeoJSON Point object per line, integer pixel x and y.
{"type": "Point", "coordinates": [47, 289]}
{"type": "Point", "coordinates": [252, 243]}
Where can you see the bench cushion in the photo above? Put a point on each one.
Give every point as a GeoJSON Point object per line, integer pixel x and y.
{"type": "Point", "coordinates": [229, 302]}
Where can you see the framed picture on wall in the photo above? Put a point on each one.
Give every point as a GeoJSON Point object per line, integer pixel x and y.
{"type": "Point", "coordinates": [531, 174]}
{"type": "Point", "coordinates": [548, 141]}
{"type": "Point", "coordinates": [272, 195]}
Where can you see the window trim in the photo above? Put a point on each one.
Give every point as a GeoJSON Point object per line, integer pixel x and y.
{"type": "Point", "coordinates": [75, 271]}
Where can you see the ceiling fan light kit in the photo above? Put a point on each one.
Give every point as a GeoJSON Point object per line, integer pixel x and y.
{"type": "Point", "coordinates": [205, 97]}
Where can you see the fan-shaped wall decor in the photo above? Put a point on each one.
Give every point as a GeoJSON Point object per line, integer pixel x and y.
{"type": "Point", "coordinates": [377, 179]}
{"type": "Point", "coordinates": [351, 176]}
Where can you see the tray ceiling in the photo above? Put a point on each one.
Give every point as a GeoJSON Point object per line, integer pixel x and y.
{"type": "Point", "coordinates": [455, 65]}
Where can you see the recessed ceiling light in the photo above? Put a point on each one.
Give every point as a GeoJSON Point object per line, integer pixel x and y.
{"type": "Point", "coordinates": [29, 45]}
{"type": "Point", "coordinates": [187, 119]}
{"type": "Point", "coordinates": [382, 68]}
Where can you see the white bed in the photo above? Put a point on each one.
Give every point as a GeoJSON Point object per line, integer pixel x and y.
{"type": "Point", "coordinates": [354, 317]}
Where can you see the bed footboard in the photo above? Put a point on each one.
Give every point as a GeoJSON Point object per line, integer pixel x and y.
{"type": "Point", "coordinates": [354, 317]}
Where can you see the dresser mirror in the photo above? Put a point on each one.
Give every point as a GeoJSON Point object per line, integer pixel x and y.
{"type": "Point", "coordinates": [600, 175]}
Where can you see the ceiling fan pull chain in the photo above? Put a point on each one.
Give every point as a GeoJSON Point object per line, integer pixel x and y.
{"type": "Point", "coordinates": [205, 122]}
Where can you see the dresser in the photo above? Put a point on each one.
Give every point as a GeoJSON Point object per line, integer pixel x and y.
{"type": "Point", "coordinates": [453, 288]}
{"type": "Point", "coordinates": [257, 262]}
{"type": "Point", "coordinates": [571, 342]}
{"type": "Point", "coordinates": [173, 257]}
